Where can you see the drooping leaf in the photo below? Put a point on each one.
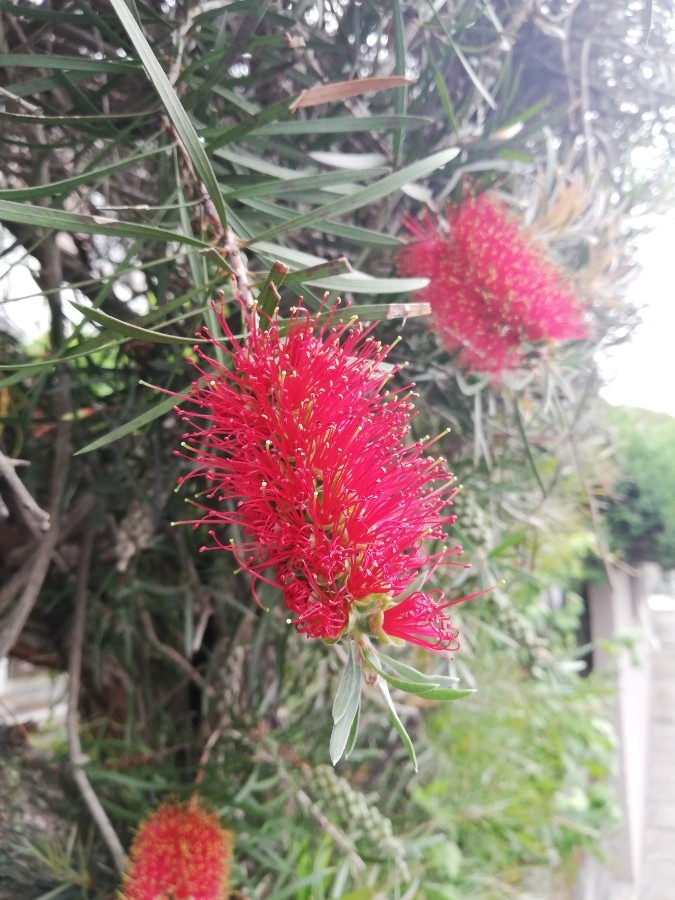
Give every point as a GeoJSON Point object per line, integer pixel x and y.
{"type": "Point", "coordinates": [346, 707]}
{"type": "Point", "coordinates": [397, 723]}
{"type": "Point", "coordinates": [161, 408]}
{"type": "Point", "coordinates": [60, 220]}
{"type": "Point", "coordinates": [429, 687]}
{"type": "Point", "coordinates": [135, 332]}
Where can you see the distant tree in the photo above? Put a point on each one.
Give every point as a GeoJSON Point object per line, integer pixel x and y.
{"type": "Point", "coordinates": [641, 514]}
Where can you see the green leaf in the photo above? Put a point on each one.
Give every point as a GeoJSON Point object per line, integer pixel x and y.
{"type": "Point", "coordinates": [397, 723]}
{"type": "Point", "coordinates": [180, 119]}
{"type": "Point", "coordinates": [245, 31]}
{"type": "Point", "coordinates": [66, 63]}
{"type": "Point", "coordinates": [59, 220]}
{"type": "Point", "coordinates": [382, 188]}
{"type": "Point", "coordinates": [360, 283]}
{"type": "Point", "coordinates": [356, 282]}
{"type": "Point", "coordinates": [442, 694]}
{"type": "Point", "coordinates": [255, 122]}
{"type": "Point", "coordinates": [351, 678]}
{"type": "Point", "coordinates": [33, 86]}
{"type": "Point", "coordinates": [359, 236]}
{"type": "Point", "coordinates": [400, 56]}
{"type": "Point", "coordinates": [342, 734]}
{"type": "Point", "coordinates": [511, 541]}
{"type": "Point", "coordinates": [478, 84]}
{"type": "Point", "coordinates": [528, 450]}
{"type": "Point", "coordinates": [648, 16]}
{"type": "Point", "coordinates": [357, 162]}
{"type": "Point", "coordinates": [427, 686]}
{"type": "Point", "coordinates": [159, 409]}
{"type": "Point", "coordinates": [346, 707]}
{"type": "Point", "coordinates": [67, 184]}
{"type": "Point", "coordinates": [410, 674]}
{"type": "Point", "coordinates": [135, 332]}
{"type": "Point", "coordinates": [372, 312]}
{"type": "Point", "coordinates": [268, 298]}
{"type": "Point", "coordinates": [258, 164]}
{"type": "Point", "coordinates": [327, 269]}
{"type": "Point", "coordinates": [353, 734]}
{"type": "Point", "coordinates": [344, 125]}
{"type": "Point", "coordinates": [444, 97]}
{"type": "Point", "coordinates": [93, 119]}
{"type": "Point", "coordinates": [277, 186]}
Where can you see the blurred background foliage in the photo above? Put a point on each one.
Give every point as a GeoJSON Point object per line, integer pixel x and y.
{"type": "Point", "coordinates": [640, 514]}
{"type": "Point", "coordinates": [117, 182]}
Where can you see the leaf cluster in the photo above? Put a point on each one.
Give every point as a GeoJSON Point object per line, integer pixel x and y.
{"type": "Point", "coordinates": [640, 512]}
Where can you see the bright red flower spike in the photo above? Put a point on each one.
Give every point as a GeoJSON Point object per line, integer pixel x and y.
{"type": "Point", "coordinates": [307, 452]}
{"type": "Point", "coordinates": [491, 288]}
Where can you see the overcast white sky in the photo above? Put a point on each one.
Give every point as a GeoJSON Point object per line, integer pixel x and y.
{"type": "Point", "coordinates": [642, 372]}
{"type": "Point", "coordinates": [29, 318]}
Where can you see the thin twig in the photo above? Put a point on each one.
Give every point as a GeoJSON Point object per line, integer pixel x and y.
{"type": "Point", "coordinates": [51, 276]}
{"type": "Point", "coordinates": [40, 564]}
{"type": "Point", "coordinates": [213, 739]}
{"type": "Point", "coordinates": [182, 31]}
{"type": "Point", "coordinates": [21, 101]}
{"type": "Point", "coordinates": [75, 755]}
{"type": "Point", "coordinates": [34, 516]}
{"type": "Point", "coordinates": [238, 267]}
{"type": "Point", "coordinates": [170, 652]}
{"type": "Point", "coordinates": [67, 526]}
{"type": "Point", "coordinates": [231, 244]}
{"type": "Point", "coordinates": [18, 580]}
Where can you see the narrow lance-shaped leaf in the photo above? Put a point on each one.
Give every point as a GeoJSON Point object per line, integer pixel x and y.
{"type": "Point", "coordinates": [321, 270]}
{"type": "Point", "coordinates": [369, 194]}
{"type": "Point", "coordinates": [179, 118]}
{"type": "Point", "coordinates": [397, 723]}
{"type": "Point", "coordinates": [135, 332]}
{"type": "Point", "coordinates": [346, 707]}
{"type": "Point", "coordinates": [159, 409]}
{"type": "Point", "coordinates": [268, 298]}
{"type": "Point", "coordinates": [429, 687]}
{"type": "Point", "coordinates": [67, 184]}
{"type": "Point", "coordinates": [59, 220]}
{"type": "Point", "coordinates": [405, 671]}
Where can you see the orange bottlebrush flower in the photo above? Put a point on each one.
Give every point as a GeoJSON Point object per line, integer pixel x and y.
{"type": "Point", "coordinates": [491, 288]}
{"type": "Point", "coordinates": [181, 852]}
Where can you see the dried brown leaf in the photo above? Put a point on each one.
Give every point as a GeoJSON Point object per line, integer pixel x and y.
{"type": "Point", "coordinates": [342, 90]}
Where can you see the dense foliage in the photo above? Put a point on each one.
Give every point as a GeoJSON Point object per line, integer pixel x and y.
{"type": "Point", "coordinates": [640, 511]}
{"type": "Point", "coordinates": [155, 153]}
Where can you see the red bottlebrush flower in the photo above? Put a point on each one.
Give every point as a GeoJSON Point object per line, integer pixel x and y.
{"type": "Point", "coordinates": [419, 620]}
{"type": "Point", "coordinates": [307, 454]}
{"type": "Point", "coordinates": [491, 288]}
{"type": "Point", "coordinates": [181, 852]}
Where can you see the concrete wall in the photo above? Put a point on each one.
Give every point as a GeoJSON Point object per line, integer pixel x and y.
{"type": "Point", "coordinates": [620, 609]}
{"type": "Point", "coordinates": [657, 880]}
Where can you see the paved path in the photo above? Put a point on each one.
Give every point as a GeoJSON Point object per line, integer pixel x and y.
{"type": "Point", "coordinates": [38, 698]}
{"type": "Point", "coordinates": [658, 867]}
